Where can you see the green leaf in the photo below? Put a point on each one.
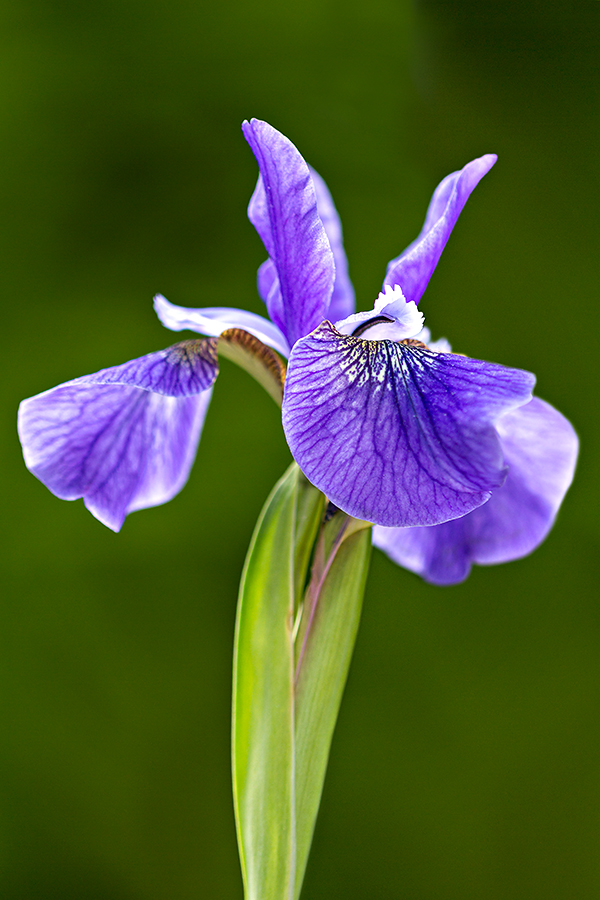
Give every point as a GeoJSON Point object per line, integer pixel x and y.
{"type": "Point", "coordinates": [324, 650]}
{"type": "Point", "coordinates": [263, 702]}
{"type": "Point", "coordinates": [263, 698]}
{"type": "Point", "coordinates": [291, 661]}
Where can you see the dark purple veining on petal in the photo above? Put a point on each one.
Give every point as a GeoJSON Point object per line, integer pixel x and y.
{"type": "Point", "coordinates": [397, 434]}
{"type": "Point", "coordinates": [414, 267]}
{"type": "Point", "coordinates": [540, 448]}
{"type": "Point", "coordinates": [283, 209]}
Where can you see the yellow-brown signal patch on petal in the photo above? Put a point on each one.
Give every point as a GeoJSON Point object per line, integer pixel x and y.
{"type": "Point", "coordinates": [260, 361]}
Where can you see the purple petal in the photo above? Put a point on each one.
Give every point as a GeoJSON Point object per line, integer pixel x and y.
{"type": "Point", "coordinates": [440, 553]}
{"type": "Point", "coordinates": [283, 209]}
{"type": "Point", "coordinates": [342, 303]}
{"type": "Point", "coordinates": [267, 280]}
{"type": "Point", "coordinates": [540, 447]}
{"type": "Point", "coordinates": [413, 268]}
{"type": "Point", "coordinates": [183, 370]}
{"type": "Point", "coordinates": [397, 434]}
{"type": "Point", "coordinates": [124, 438]}
{"type": "Point", "coordinates": [215, 320]}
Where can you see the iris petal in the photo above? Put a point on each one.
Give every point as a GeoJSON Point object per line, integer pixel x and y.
{"type": "Point", "coordinates": [283, 209]}
{"type": "Point", "coordinates": [397, 434]}
{"type": "Point", "coordinates": [267, 281]}
{"type": "Point", "coordinates": [183, 370]}
{"type": "Point", "coordinates": [342, 303]}
{"type": "Point", "coordinates": [215, 320]}
{"type": "Point", "coordinates": [124, 438]}
{"type": "Point", "coordinates": [540, 448]}
{"type": "Point", "coordinates": [414, 267]}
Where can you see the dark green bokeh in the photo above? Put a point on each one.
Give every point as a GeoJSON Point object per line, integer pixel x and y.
{"type": "Point", "coordinates": [466, 762]}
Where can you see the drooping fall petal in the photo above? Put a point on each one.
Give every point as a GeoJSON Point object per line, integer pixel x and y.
{"type": "Point", "coordinates": [395, 433]}
{"type": "Point", "coordinates": [540, 448]}
{"type": "Point", "coordinates": [123, 438]}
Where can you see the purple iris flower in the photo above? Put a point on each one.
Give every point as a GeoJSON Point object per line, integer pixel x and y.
{"type": "Point", "coordinates": [450, 457]}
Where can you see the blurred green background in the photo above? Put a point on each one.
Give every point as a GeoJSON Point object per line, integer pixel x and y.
{"type": "Point", "coordinates": [466, 761]}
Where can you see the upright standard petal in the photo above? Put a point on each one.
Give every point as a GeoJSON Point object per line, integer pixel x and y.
{"type": "Point", "coordinates": [283, 209]}
{"type": "Point", "coordinates": [394, 433]}
{"type": "Point", "coordinates": [540, 448]}
{"type": "Point", "coordinates": [123, 438]}
{"type": "Point", "coordinates": [413, 268]}
{"type": "Point", "coordinates": [343, 302]}
{"type": "Point", "coordinates": [214, 320]}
